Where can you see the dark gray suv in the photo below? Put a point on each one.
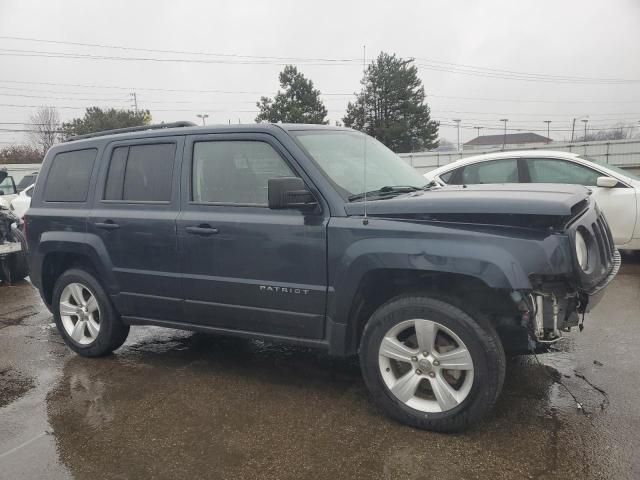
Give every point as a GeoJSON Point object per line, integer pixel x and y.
{"type": "Point", "coordinates": [271, 232]}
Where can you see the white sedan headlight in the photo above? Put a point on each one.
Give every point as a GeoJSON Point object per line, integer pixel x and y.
{"type": "Point", "coordinates": [582, 251]}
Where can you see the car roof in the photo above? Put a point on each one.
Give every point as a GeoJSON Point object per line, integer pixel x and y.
{"type": "Point", "coordinates": [155, 131]}
{"type": "Point", "coordinates": [571, 156]}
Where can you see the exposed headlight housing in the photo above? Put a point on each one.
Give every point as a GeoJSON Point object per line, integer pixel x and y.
{"type": "Point", "coordinates": [582, 251]}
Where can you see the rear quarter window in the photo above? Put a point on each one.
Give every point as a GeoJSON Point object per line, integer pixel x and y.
{"type": "Point", "coordinates": [68, 178]}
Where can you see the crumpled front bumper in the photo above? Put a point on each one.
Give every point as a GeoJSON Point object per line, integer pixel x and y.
{"type": "Point", "coordinates": [595, 294]}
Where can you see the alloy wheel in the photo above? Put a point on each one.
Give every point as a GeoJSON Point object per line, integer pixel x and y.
{"type": "Point", "coordinates": [80, 313]}
{"type": "Point", "coordinates": [426, 365]}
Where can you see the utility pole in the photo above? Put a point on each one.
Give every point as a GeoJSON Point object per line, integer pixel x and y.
{"type": "Point", "coordinates": [585, 121]}
{"type": "Point", "coordinates": [202, 116]}
{"type": "Point", "coordinates": [573, 128]}
{"type": "Point", "coordinates": [504, 139]}
{"type": "Point", "coordinates": [457, 120]}
{"type": "Point", "coordinates": [135, 101]}
{"type": "Point", "coordinates": [548, 122]}
{"type": "Point", "coordinates": [478, 129]}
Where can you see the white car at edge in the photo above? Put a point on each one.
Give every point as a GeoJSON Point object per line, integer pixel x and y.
{"type": "Point", "coordinates": [21, 203]}
{"type": "Point", "coordinates": [616, 191]}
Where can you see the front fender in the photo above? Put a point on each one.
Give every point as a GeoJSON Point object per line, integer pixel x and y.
{"type": "Point", "coordinates": [83, 244]}
{"type": "Point", "coordinates": [500, 257]}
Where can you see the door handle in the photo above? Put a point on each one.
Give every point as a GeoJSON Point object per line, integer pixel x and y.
{"type": "Point", "coordinates": [202, 230]}
{"type": "Point", "coordinates": [107, 225]}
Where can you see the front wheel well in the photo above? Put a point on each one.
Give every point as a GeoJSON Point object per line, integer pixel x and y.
{"type": "Point", "coordinates": [468, 293]}
{"type": "Point", "coordinates": [55, 264]}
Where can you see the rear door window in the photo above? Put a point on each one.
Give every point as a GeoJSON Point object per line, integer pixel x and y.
{"type": "Point", "coordinates": [68, 178]}
{"type": "Point", "coordinates": [141, 173]}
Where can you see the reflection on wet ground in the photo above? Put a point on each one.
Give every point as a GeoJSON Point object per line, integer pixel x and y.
{"type": "Point", "coordinates": [172, 404]}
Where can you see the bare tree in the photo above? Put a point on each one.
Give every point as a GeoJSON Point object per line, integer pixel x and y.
{"type": "Point", "coordinates": [44, 128]}
{"type": "Point", "coordinates": [619, 132]}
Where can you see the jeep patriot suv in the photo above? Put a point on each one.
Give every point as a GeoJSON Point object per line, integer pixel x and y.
{"type": "Point", "coordinates": [277, 232]}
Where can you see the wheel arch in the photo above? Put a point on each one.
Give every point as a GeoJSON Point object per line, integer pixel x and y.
{"type": "Point", "coordinates": [60, 251]}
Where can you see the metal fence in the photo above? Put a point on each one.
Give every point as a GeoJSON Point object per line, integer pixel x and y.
{"type": "Point", "coordinates": [619, 153]}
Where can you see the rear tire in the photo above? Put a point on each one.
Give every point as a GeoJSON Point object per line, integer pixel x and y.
{"type": "Point", "coordinates": [405, 349]}
{"type": "Point", "coordinates": [76, 294]}
{"type": "Point", "coordinates": [18, 266]}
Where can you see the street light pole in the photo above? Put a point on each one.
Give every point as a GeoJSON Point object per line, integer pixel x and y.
{"type": "Point", "coordinates": [478, 129]}
{"type": "Point", "coordinates": [457, 120]}
{"type": "Point", "coordinates": [504, 139]}
{"type": "Point", "coordinates": [548, 122]}
{"type": "Point", "coordinates": [585, 121]}
{"type": "Point", "coordinates": [202, 116]}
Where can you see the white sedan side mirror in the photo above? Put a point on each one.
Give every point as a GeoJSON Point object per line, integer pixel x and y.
{"type": "Point", "coordinates": [606, 182]}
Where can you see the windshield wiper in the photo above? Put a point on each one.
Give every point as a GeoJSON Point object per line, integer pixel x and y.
{"type": "Point", "coordinates": [386, 191]}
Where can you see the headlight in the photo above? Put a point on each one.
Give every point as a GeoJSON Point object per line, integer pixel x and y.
{"type": "Point", "coordinates": [582, 252]}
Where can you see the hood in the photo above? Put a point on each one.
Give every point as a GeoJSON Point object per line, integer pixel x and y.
{"type": "Point", "coordinates": [507, 199]}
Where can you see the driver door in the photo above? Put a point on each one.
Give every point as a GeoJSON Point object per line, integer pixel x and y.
{"type": "Point", "coordinates": [243, 265]}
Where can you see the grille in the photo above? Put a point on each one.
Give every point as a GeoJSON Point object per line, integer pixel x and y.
{"type": "Point", "coordinates": [604, 240]}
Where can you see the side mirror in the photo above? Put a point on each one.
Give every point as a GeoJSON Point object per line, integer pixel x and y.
{"type": "Point", "coordinates": [606, 182]}
{"type": "Point", "coordinates": [289, 192]}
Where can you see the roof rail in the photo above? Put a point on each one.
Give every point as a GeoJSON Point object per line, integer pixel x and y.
{"type": "Point", "coordinates": [157, 126]}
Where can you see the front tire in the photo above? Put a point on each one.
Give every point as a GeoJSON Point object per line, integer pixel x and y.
{"type": "Point", "coordinates": [84, 315]}
{"type": "Point", "coordinates": [430, 365]}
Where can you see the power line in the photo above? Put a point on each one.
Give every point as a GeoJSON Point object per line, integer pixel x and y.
{"type": "Point", "coordinates": [249, 92]}
{"type": "Point", "coordinates": [63, 98]}
{"type": "Point", "coordinates": [530, 78]}
{"type": "Point", "coordinates": [333, 97]}
{"type": "Point", "coordinates": [477, 68]}
{"type": "Point", "coordinates": [87, 56]}
{"type": "Point", "coordinates": [432, 64]}
{"type": "Point", "coordinates": [179, 52]}
{"type": "Point", "coordinates": [150, 89]}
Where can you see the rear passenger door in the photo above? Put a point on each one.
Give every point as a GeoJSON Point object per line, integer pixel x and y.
{"type": "Point", "coordinates": [135, 210]}
{"type": "Point", "coordinates": [245, 266]}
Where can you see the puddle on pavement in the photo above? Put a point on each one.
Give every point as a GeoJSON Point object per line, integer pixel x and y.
{"type": "Point", "coordinates": [178, 404]}
{"type": "Point", "coordinates": [188, 404]}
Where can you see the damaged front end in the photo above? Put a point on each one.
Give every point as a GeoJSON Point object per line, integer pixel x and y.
{"type": "Point", "coordinates": [559, 303]}
{"type": "Point", "coordinates": [9, 245]}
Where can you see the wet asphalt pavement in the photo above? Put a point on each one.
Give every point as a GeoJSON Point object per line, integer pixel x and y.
{"type": "Point", "coordinates": [176, 404]}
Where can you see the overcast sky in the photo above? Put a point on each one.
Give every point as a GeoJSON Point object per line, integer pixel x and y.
{"type": "Point", "coordinates": [589, 41]}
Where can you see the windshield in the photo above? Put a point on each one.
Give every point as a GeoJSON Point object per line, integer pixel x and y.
{"type": "Point", "coordinates": [619, 170]}
{"type": "Point", "coordinates": [341, 155]}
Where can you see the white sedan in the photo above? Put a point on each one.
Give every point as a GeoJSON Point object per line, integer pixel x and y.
{"type": "Point", "coordinates": [616, 191]}
{"type": "Point", "coordinates": [21, 203]}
